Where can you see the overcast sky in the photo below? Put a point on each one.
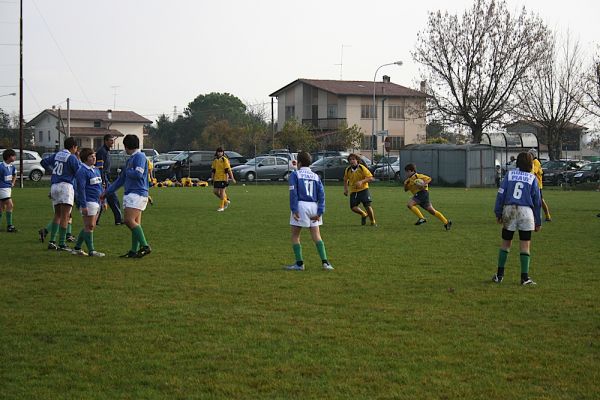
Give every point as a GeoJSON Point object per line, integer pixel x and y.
{"type": "Point", "coordinates": [157, 54]}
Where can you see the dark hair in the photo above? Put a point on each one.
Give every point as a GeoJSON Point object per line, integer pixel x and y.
{"type": "Point", "coordinates": [304, 159]}
{"type": "Point", "coordinates": [69, 143]}
{"type": "Point", "coordinates": [355, 156]}
{"type": "Point", "coordinates": [410, 167]}
{"type": "Point", "coordinates": [85, 153]}
{"type": "Point", "coordinates": [525, 162]}
{"type": "Point", "coordinates": [131, 142]}
{"type": "Point", "coordinates": [108, 136]}
{"type": "Point", "coordinates": [219, 149]}
{"type": "Point", "coordinates": [8, 153]}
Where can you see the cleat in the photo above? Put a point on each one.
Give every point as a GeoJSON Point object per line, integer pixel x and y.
{"type": "Point", "coordinates": [448, 225]}
{"type": "Point", "coordinates": [64, 247]}
{"type": "Point", "coordinates": [221, 209]}
{"type": "Point", "coordinates": [497, 278]}
{"type": "Point", "coordinates": [43, 233]}
{"type": "Point", "coordinates": [70, 238]}
{"type": "Point", "coordinates": [79, 252]}
{"type": "Point", "coordinates": [95, 253]}
{"type": "Point", "coordinates": [129, 254]}
{"type": "Point", "coordinates": [548, 220]}
{"type": "Point", "coordinates": [144, 251]}
{"type": "Point", "coordinates": [363, 220]}
{"type": "Point", "coordinates": [11, 229]}
{"type": "Point", "coordinates": [327, 267]}
{"type": "Point", "coordinates": [117, 223]}
{"type": "Point", "coordinates": [227, 204]}
{"type": "Point", "coordinates": [52, 246]}
{"type": "Point", "coordinates": [528, 282]}
{"type": "Point", "coordinates": [421, 221]}
{"type": "Point", "coordinates": [294, 267]}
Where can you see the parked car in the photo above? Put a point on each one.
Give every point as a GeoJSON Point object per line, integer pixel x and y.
{"type": "Point", "coordinates": [391, 171]}
{"type": "Point", "coordinates": [587, 173]}
{"type": "Point", "coordinates": [263, 167]}
{"type": "Point", "coordinates": [383, 162]}
{"type": "Point", "coordinates": [32, 167]}
{"type": "Point", "coordinates": [555, 171]}
{"type": "Point", "coordinates": [317, 155]}
{"type": "Point", "coordinates": [235, 158]}
{"type": "Point", "coordinates": [330, 167]}
{"type": "Point", "coordinates": [193, 164]}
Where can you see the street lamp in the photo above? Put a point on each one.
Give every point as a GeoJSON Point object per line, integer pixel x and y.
{"type": "Point", "coordinates": [9, 94]}
{"type": "Point", "coordinates": [373, 138]}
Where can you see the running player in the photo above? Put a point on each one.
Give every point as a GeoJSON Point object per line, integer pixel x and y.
{"type": "Point", "coordinates": [418, 184]}
{"type": "Point", "coordinates": [356, 183]}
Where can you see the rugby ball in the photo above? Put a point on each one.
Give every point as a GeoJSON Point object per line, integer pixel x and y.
{"type": "Point", "coordinates": [420, 183]}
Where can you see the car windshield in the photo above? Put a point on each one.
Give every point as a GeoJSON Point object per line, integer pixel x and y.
{"type": "Point", "coordinates": [554, 164]}
{"type": "Point", "coordinates": [254, 161]}
{"type": "Point", "coordinates": [181, 156]}
{"type": "Point", "coordinates": [321, 161]}
{"type": "Point", "coordinates": [589, 167]}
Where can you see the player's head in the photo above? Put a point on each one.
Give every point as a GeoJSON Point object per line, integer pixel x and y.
{"type": "Point", "coordinates": [412, 168]}
{"type": "Point", "coordinates": [87, 156]}
{"type": "Point", "coordinates": [109, 140]}
{"type": "Point", "coordinates": [533, 152]}
{"type": "Point", "coordinates": [70, 144]}
{"type": "Point", "coordinates": [354, 159]}
{"type": "Point", "coordinates": [131, 142]}
{"type": "Point", "coordinates": [219, 152]}
{"type": "Point", "coordinates": [7, 154]}
{"type": "Point", "coordinates": [525, 162]}
{"type": "Point", "coordinates": [304, 159]}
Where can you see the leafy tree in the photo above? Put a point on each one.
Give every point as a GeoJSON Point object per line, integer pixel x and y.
{"type": "Point", "coordinates": [474, 62]}
{"type": "Point", "coordinates": [344, 138]}
{"type": "Point", "coordinates": [296, 136]}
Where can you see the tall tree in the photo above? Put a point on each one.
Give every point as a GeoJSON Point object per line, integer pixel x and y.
{"type": "Point", "coordinates": [553, 92]}
{"type": "Point", "coordinates": [591, 98]}
{"type": "Point", "coordinates": [295, 136]}
{"type": "Point", "coordinates": [473, 63]}
{"type": "Point", "coordinates": [346, 137]}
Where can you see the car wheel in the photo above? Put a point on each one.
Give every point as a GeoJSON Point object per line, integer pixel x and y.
{"type": "Point", "coordinates": [286, 176]}
{"type": "Point", "coordinates": [398, 177]}
{"type": "Point", "coordinates": [250, 176]}
{"type": "Point", "coordinates": [36, 175]}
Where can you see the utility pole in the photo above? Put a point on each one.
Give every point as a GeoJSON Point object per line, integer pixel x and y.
{"type": "Point", "coordinates": [114, 88]}
{"type": "Point", "coordinates": [341, 64]}
{"type": "Point", "coordinates": [21, 144]}
{"type": "Point", "coordinates": [68, 117]}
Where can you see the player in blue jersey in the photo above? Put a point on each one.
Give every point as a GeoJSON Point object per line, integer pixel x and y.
{"type": "Point", "coordinates": [134, 177]}
{"type": "Point", "coordinates": [89, 189]}
{"type": "Point", "coordinates": [8, 177]}
{"type": "Point", "coordinates": [307, 205]}
{"type": "Point", "coordinates": [64, 165]}
{"type": "Point", "coordinates": [518, 206]}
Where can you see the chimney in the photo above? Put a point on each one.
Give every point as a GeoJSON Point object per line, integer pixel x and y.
{"type": "Point", "coordinates": [109, 114]}
{"type": "Point", "coordinates": [386, 79]}
{"type": "Point", "coordinates": [423, 86]}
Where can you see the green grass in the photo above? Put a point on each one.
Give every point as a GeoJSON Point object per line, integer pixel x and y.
{"type": "Point", "coordinates": [409, 312]}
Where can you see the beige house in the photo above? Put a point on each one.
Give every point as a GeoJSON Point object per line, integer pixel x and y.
{"type": "Point", "coordinates": [87, 127]}
{"type": "Point", "coordinates": [325, 105]}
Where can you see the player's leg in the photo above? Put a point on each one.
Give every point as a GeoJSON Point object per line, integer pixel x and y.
{"type": "Point", "coordinates": [546, 210]}
{"type": "Point", "coordinates": [315, 233]}
{"type": "Point", "coordinates": [9, 207]}
{"type": "Point", "coordinates": [503, 254]}
{"type": "Point", "coordinates": [297, 248]}
{"type": "Point", "coordinates": [525, 257]}
{"type": "Point", "coordinates": [64, 211]}
{"type": "Point", "coordinates": [412, 206]}
{"type": "Point", "coordinates": [447, 223]}
{"type": "Point", "coordinates": [354, 206]}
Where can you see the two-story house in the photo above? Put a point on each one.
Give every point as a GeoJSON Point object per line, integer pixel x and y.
{"type": "Point", "coordinates": [324, 105]}
{"type": "Point", "coordinates": [87, 127]}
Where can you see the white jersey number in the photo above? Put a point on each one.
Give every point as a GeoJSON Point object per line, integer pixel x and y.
{"type": "Point", "coordinates": [518, 192]}
{"type": "Point", "coordinates": [310, 187]}
{"type": "Point", "coordinates": [58, 168]}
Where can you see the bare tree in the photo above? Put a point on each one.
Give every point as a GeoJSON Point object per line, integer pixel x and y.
{"type": "Point", "coordinates": [591, 99]}
{"type": "Point", "coordinates": [473, 63]}
{"type": "Point", "coordinates": [553, 92]}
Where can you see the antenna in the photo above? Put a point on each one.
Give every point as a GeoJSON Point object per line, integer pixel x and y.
{"type": "Point", "coordinates": [114, 88]}
{"type": "Point", "coordinates": [341, 64]}
{"type": "Point", "coordinates": [174, 113]}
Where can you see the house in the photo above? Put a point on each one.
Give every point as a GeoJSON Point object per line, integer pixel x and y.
{"type": "Point", "coordinates": [87, 127]}
{"type": "Point", "coordinates": [571, 141]}
{"type": "Point", "coordinates": [326, 105]}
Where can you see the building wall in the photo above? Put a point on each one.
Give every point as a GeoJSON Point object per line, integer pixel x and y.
{"type": "Point", "coordinates": [47, 126]}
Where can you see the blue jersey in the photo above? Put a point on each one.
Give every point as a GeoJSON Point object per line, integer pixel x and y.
{"type": "Point", "coordinates": [305, 185]}
{"type": "Point", "coordinates": [89, 185]}
{"type": "Point", "coordinates": [7, 174]}
{"type": "Point", "coordinates": [134, 176]}
{"type": "Point", "coordinates": [521, 189]}
{"type": "Point", "coordinates": [103, 162]}
{"type": "Point", "coordinates": [64, 166]}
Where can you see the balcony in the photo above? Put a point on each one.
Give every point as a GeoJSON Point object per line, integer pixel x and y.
{"type": "Point", "coordinates": [324, 124]}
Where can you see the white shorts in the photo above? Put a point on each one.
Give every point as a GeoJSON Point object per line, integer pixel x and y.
{"type": "Point", "coordinates": [306, 210]}
{"type": "Point", "coordinates": [62, 193]}
{"type": "Point", "coordinates": [133, 200]}
{"type": "Point", "coordinates": [5, 193]}
{"type": "Point", "coordinates": [93, 208]}
{"type": "Point", "coordinates": [518, 218]}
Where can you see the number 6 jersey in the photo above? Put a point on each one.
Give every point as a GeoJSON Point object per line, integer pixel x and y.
{"type": "Point", "coordinates": [305, 185]}
{"type": "Point", "coordinates": [521, 189]}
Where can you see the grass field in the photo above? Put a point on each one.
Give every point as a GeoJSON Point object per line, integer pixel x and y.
{"type": "Point", "coordinates": [409, 312]}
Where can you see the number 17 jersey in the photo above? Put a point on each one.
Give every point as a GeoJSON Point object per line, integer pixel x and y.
{"type": "Point", "coordinates": [305, 185]}
{"type": "Point", "coordinates": [521, 189]}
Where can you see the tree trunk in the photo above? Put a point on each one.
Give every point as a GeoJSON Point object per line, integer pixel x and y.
{"type": "Point", "coordinates": [476, 133]}
{"type": "Point", "coordinates": [554, 144]}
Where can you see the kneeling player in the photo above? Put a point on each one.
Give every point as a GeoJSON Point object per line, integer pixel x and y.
{"type": "Point", "coordinates": [307, 204]}
{"type": "Point", "coordinates": [518, 205]}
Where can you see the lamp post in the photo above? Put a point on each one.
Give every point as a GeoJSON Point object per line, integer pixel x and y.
{"type": "Point", "coordinates": [373, 137]}
{"type": "Point", "coordinates": [8, 94]}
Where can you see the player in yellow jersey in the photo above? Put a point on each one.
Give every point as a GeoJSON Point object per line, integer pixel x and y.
{"type": "Point", "coordinates": [221, 174]}
{"type": "Point", "coordinates": [418, 184]}
{"type": "Point", "coordinates": [538, 172]}
{"type": "Point", "coordinates": [356, 183]}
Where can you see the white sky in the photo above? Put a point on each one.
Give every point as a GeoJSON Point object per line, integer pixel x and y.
{"type": "Point", "coordinates": [163, 53]}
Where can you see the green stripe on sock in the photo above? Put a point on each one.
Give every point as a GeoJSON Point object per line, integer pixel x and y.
{"type": "Point", "coordinates": [502, 257]}
{"type": "Point", "coordinates": [89, 240]}
{"type": "Point", "coordinates": [54, 227]}
{"type": "Point", "coordinates": [139, 232]}
{"type": "Point", "coordinates": [525, 260]}
{"type": "Point", "coordinates": [321, 249]}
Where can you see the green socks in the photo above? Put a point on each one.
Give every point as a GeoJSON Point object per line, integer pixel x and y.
{"type": "Point", "coordinates": [321, 249]}
{"type": "Point", "coordinates": [89, 240]}
{"type": "Point", "coordinates": [525, 260]}
{"type": "Point", "coordinates": [137, 238]}
{"type": "Point", "coordinates": [298, 253]}
{"type": "Point", "coordinates": [69, 229]}
{"type": "Point", "coordinates": [80, 239]}
{"type": "Point", "coordinates": [62, 236]}
{"type": "Point", "coordinates": [502, 257]}
{"type": "Point", "coordinates": [53, 230]}
{"type": "Point", "coordinates": [9, 218]}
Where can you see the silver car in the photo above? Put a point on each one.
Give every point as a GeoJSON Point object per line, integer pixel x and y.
{"type": "Point", "coordinates": [32, 167]}
{"type": "Point", "coordinates": [263, 167]}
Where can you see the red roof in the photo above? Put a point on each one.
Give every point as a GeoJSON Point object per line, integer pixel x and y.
{"type": "Point", "coordinates": [94, 132]}
{"type": "Point", "coordinates": [97, 115]}
{"type": "Point", "coordinates": [355, 88]}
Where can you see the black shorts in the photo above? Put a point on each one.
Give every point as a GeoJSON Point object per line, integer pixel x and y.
{"type": "Point", "coordinates": [8, 198]}
{"type": "Point", "coordinates": [422, 198]}
{"type": "Point", "coordinates": [363, 197]}
{"type": "Point", "coordinates": [220, 184]}
{"type": "Point", "coordinates": [523, 235]}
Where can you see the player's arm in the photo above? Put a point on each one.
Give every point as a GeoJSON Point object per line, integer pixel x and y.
{"type": "Point", "coordinates": [426, 178]}
{"type": "Point", "coordinates": [499, 206]}
{"type": "Point", "coordinates": [346, 182]}
{"type": "Point", "coordinates": [320, 199]}
{"type": "Point", "coordinates": [293, 182]}
{"type": "Point", "coordinates": [537, 204]}
{"type": "Point", "coordinates": [81, 180]}
{"type": "Point", "coordinates": [138, 167]}
{"type": "Point", "coordinates": [14, 175]}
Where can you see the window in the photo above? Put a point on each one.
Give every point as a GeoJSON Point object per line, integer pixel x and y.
{"type": "Point", "coordinates": [366, 111]}
{"type": "Point", "coordinates": [396, 142]}
{"type": "Point", "coordinates": [332, 111]}
{"type": "Point", "coordinates": [40, 136]}
{"type": "Point", "coordinates": [268, 161]}
{"type": "Point", "coordinates": [369, 142]}
{"type": "Point", "coordinates": [290, 112]}
{"type": "Point", "coordinates": [281, 161]}
{"type": "Point", "coordinates": [97, 124]}
{"type": "Point", "coordinates": [49, 138]}
{"type": "Point", "coordinates": [396, 112]}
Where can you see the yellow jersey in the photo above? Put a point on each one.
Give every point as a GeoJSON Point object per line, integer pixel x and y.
{"type": "Point", "coordinates": [220, 167]}
{"type": "Point", "coordinates": [409, 183]}
{"type": "Point", "coordinates": [537, 171]}
{"type": "Point", "coordinates": [352, 176]}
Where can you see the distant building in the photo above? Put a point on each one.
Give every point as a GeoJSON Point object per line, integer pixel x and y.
{"type": "Point", "coordinates": [324, 105]}
{"type": "Point", "coordinates": [87, 127]}
{"type": "Point", "coordinates": [571, 142]}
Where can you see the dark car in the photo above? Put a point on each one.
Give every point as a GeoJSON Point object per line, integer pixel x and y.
{"type": "Point", "coordinates": [192, 164]}
{"type": "Point", "coordinates": [330, 167]}
{"type": "Point", "coordinates": [587, 173]}
{"type": "Point", "coordinates": [556, 170]}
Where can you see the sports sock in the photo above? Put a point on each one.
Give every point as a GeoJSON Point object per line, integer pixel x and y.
{"type": "Point", "coordinates": [9, 221]}
{"type": "Point", "coordinates": [223, 203]}
{"type": "Point", "coordinates": [417, 212]}
{"type": "Point", "coordinates": [69, 229]}
{"type": "Point", "coordinates": [139, 233]}
{"type": "Point", "coordinates": [298, 253]}
{"type": "Point", "coordinates": [321, 249]}
{"type": "Point", "coordinates": [441, 217]}
{"type": "Point", "coordinates": [80, 239]}
{"type": "Point", "coordinates": [89, 240]}
{"type": "Point", "coordinates": [53, 230]}
{"type": "Point", "coordinates": [502, 257]}
{"type": "Point", "coordinates": [525, 259]}
{"type": "Point", "coordinates": [49, 226]}
{"type": "Point", "coordinates": [62, 236]}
